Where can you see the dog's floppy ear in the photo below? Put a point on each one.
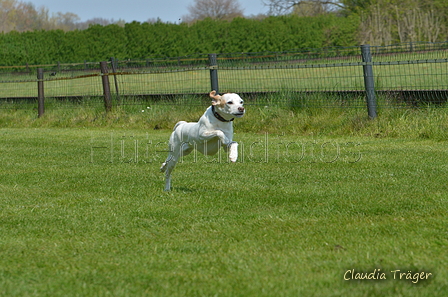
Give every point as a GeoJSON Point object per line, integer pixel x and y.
{"type": "Point", "coordinates": [217, 99]}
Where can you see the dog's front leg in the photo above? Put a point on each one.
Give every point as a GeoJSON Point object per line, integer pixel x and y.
{"type": "Point", "coordinates": [206, 136]}
{"type": "Point", "coordinates": [229, 146]}
{"type": "Point", "coordinates": [233, 151]}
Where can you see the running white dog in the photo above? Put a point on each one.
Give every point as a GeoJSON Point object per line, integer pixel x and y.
{"type": "Point", "coordinates": [213, 130]}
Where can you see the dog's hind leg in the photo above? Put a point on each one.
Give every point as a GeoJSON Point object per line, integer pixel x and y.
{"type": "Point", "coordinates": [169, 164]}
{"type": "Point", "coordinates": [174, 156]}
{"type": "Point", "coordinates": [178, 148]}
{"type": "Point", "coordinates": [167, 168]}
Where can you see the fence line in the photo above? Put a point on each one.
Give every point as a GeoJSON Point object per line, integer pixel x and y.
{"type": "Point", "coordinates": [338, 77]}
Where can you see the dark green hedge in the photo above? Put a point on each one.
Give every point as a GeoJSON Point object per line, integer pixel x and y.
{"type": "Point", "coordinates": [143, 40]}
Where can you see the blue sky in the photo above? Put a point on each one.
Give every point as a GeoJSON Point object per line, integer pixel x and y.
{"type": "Point", "coordinates": [130, 10]}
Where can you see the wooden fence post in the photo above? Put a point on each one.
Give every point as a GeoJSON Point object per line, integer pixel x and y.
{"type": "Point", "coordinates": [40, 92]}
{"type": "Point", "coordinates": [106, 86]}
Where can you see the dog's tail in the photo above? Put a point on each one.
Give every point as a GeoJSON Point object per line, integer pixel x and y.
{"type": "Point", "coordinates": [178, 124]}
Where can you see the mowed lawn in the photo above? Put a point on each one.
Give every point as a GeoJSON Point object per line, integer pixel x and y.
{"type": "Point", "coordinates": [83, 213]}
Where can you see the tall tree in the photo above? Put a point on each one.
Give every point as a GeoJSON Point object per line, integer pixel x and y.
{"type": "Point", "coordinates": [214, 9]}
{"type": "Point", "coordinates": [7, 12]}
{"type": "Point", "coordinates": [23, 16]}
{"type": "Point", "coordinates": [391, 21]}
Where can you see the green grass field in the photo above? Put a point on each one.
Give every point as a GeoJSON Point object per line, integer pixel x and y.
{"type": "Point", "coordinates": [315, 196]}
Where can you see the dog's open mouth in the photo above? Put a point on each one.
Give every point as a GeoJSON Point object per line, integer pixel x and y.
{"type": "Point", "coordinates": [239, 114]}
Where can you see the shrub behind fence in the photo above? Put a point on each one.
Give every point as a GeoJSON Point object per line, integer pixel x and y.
{"type": "Point", "coordinates": [402, 75]}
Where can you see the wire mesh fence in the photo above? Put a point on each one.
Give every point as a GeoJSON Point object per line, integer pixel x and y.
{"type": "Point", "coordinates": [412, 74]}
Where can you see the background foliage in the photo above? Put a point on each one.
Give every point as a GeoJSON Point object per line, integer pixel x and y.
{"type": "Point", "coordinates": [140, 40]}
{"type": "Point", "coordinates": [31, 36]}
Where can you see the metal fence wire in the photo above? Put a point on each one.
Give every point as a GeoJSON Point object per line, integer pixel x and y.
{"type": "Point", "coordinates": [412, 74]}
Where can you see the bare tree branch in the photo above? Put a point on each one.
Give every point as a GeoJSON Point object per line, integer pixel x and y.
{"type": "Point", "coordinates": [279, 7]}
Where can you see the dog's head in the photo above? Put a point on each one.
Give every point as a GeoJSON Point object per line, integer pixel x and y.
{"type": "Point", "coordinates": [229, 104]}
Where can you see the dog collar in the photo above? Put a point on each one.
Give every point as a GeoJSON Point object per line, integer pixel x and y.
{"type": "Point", "coordinates": [218, 116]}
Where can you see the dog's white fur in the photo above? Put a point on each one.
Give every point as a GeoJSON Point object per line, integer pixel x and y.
{"type": "Point", "coordinates": [212, 131]}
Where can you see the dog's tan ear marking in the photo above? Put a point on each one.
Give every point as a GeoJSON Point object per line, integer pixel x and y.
{"type": "Point", "coordinates": [217, 100]}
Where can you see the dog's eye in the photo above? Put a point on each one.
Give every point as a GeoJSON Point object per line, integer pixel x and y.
{"type": "Point", "coordinates": [230, 102]}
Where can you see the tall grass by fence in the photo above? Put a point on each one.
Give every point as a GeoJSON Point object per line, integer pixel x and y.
{"type": "Point", "coordinates": [403, 75]}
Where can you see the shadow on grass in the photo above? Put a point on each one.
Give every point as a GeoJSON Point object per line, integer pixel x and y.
{"type": "Point", "coordinates": [184, 189]}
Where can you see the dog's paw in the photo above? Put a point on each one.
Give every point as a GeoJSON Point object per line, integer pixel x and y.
{"type": "Point", "coordinates": [233, 152]}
